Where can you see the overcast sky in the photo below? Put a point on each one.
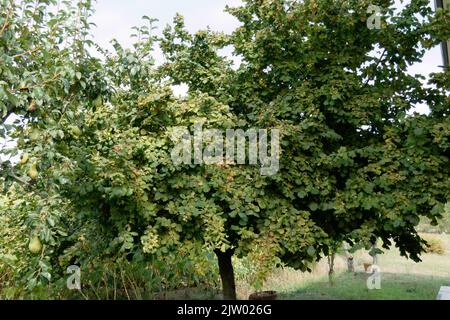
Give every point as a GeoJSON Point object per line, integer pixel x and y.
{"type": "Point", "coordinates": [115, 18]}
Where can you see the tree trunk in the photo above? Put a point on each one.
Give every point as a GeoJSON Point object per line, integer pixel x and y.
{"type": "Point", "coordinates": [375, 256]}
{"type": "Point", "coordinates": [349, 257]}
{"type": "Point", "coordinates": [330, 258]}
{"type": "Point", "coordinates": [226, 274]}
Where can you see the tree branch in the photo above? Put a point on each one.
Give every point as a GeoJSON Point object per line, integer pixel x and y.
{"type": "Point", "coordinates": [378, 63]}
{"type": "Point", "coordinates": [8, 16]}
{"type": "Point", "coordinates": [25, 53]}
{"type": "Point", "coordinates": [8, 114]}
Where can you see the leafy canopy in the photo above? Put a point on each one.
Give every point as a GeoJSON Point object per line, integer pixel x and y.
{"type": "Point", "coordinates": [356, 162]}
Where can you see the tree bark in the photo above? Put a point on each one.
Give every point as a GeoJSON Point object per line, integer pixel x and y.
{"type": "Point", "coordinates": [349, 257]}
{"type": "Point", "coordinates": [330, 258]}
{"type": "Point", "coordinates": [226, 274]}
{"type": "Point", "coordinates": [8, 114]}
{"type": "Point", "coordinates": [375, 256]}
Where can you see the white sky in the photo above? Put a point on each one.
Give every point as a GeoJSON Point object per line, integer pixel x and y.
{"type": "Point", "coordinates": [115, 18]}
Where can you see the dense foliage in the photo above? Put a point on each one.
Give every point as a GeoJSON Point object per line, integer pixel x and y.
{"type": "Point", "coordinates": [96, 179]}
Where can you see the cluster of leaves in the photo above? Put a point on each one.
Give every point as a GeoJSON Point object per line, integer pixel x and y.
{"type": "Point", "coordinates": [45, 68]}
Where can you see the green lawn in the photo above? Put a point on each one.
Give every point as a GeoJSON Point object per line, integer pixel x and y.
{"type": "Point", "coordinates": [401, 279]}
{"type": "Point", "coordinates": [394, 286]}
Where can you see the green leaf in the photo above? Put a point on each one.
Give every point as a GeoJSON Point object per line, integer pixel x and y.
{"type": "Point", "coordinates": [311, 251]}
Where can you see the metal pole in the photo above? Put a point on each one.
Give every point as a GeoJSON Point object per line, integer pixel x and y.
{"type": "Point", "coordinates": [446, 44]}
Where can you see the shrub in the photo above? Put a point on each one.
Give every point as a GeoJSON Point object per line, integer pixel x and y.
{"type": "Point", "coordinates": [106, 276]}
{"type": "Point", "coordinates": [434, 245]}
{"type": "Point", "coordinates": [442, 226]}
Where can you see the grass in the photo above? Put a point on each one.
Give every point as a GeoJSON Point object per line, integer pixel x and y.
{"type": "Point", "coordinates": [401, 279]}
{"type": "Point", "coordinates": [353, 287]}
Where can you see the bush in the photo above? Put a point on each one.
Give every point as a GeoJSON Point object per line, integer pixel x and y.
{"type": "Point", "coordinates": [103, 276]}
{"type": "Point", "coordinates": [434, 245]}
{"type": "Point", "coordinates": [442, 226]}
{"type": "Point", "coordinates": [144, 279]}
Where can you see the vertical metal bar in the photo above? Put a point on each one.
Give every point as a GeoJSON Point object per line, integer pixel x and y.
{"type": "Point", "coordinates": [445, 45]}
